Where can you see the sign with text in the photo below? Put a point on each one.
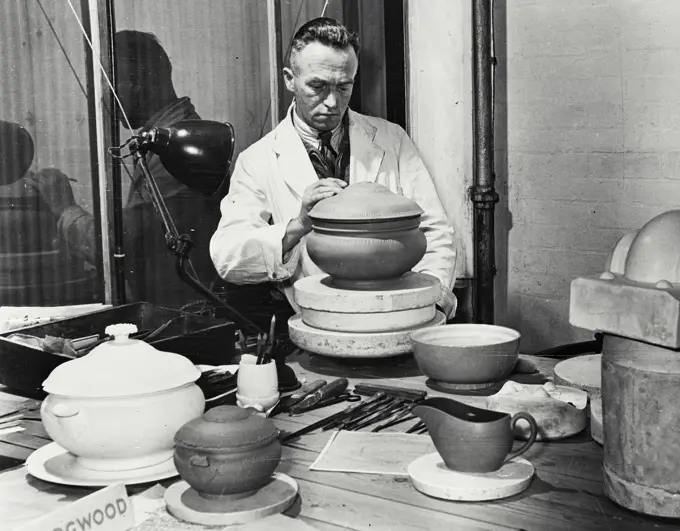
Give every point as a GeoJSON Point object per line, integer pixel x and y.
{"type": "Point", "coordinates": [108, 509]}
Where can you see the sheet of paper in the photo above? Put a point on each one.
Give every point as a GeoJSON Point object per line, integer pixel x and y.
{"type": "Point", "coordinates": [372, 453]}
{"type": "Point", "coordinates": [148, 503]}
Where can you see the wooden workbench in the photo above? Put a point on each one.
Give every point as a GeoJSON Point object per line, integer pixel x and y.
{"type": "Point", "coordinates": [565, 495]}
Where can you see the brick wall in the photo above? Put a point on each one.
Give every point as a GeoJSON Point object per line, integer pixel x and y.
{"type": "Point", "coordinates": [587, 145]}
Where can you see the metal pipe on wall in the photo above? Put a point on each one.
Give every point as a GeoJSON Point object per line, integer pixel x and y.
{"type": "Point", "coordinates": [483, 193]}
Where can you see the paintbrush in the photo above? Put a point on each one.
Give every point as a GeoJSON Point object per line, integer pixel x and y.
{"type": "Point", "coordinates": [416, 428]}
{"type": "Point", "coordinates": [270, 340]}
{"type": "Point", "coordinates": [243, 346]}
{"type": "Point", "coordinates": [259, 348]}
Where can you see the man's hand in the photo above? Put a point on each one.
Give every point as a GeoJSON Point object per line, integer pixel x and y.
{"type": "Point", "coordinates": [322, 189]}
{"type": "Point", "coordinates": [54, 189]}
{"type": "Point", "coordinates": [302, 225]}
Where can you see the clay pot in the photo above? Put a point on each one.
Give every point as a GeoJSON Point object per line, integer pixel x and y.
{"type": "Point", "coordinates": [471, 439]}
{"type": "Point", "coordinates": [229, 452]}
{"type": "Point", "coordinates": [366, 233]}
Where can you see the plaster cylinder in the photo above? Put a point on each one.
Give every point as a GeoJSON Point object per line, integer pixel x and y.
{"type": "Point", "coordinates": [640, 397]}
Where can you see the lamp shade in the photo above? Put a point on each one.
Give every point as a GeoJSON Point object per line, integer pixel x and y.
{"type": "Point", "coordinates": [197, 153]}
{"type": "Point", "coordinates": [16, 152]}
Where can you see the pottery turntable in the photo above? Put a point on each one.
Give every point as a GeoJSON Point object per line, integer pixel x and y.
{"type": "Point", "coordinates": [636, 304]}
{"type": "Point", "coordinates": [366, 239]}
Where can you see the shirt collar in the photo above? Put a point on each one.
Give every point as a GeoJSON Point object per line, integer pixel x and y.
{"type": "Point", "coordinates": [310, 135]}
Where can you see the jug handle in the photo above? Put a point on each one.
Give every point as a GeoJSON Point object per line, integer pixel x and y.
{"type": "Point", "coordinates": [532, 435]}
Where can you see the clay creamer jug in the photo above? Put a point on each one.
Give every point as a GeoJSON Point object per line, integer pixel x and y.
{"type": "Point", "coordinates": [471, 439]}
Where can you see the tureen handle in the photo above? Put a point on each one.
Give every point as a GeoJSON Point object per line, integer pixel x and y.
{"type": "Point", "coordinates": [63, 411]}
{"type": "Point", "coordinates": [199, 460]}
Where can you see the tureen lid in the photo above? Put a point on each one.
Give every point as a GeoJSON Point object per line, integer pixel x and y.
{"type": "Point", "coordinates": [365, 201]}
{"type": "Point", "coordinates": [121, 367]}
{"type": "Point", "coordinates": [226, 427]}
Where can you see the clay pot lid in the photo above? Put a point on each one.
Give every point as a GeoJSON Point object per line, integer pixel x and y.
{"type": "Point", "coordinates": [225, 428]}
{"type": "Point", "coordinates": [654, 253]}
{"type": "Point", "coordinates": [365, 201]}
{"type": "Point", "coordinates": [122, 367]}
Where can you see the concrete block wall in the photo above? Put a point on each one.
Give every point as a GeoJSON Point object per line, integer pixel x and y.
{"type": "Point", "coordinates": [587, 145]}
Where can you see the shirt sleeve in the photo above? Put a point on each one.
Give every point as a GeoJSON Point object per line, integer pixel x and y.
{"type": "Point", "coordinates": [246, 248]}
{"type": "Point", "coordinates": [440, 257]}
{"type": "Point", "coordinates": [77, 228]}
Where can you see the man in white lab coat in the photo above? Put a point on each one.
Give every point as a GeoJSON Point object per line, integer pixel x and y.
{"type": "Point", "coordinates": [318, 149]}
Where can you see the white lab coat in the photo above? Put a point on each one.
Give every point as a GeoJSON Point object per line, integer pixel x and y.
{"type": "Point", "coordinates": [266, 192]}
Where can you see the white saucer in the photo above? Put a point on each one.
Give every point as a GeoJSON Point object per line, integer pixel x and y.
{"type": "Point", "coordinates": [430, 476]}
{"type": "Point", "coordinates": [53, 464]}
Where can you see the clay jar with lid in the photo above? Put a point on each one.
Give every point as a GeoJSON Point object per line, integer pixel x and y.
{"type": "Point", "coordinates": [119, 407]}
{"type": "Point", "coordinates": [366, 234]}
{"type": "Point", "coordinates": [229, 453]}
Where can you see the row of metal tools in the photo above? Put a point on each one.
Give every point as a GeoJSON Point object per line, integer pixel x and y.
{"type": "Point", "coordinates": [384, 407]}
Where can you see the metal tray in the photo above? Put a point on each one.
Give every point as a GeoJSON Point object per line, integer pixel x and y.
{"type": "Point", "coordinates": [203, 340]}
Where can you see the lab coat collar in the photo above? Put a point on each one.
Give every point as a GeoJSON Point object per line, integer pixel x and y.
{"type": "Point", "coordinates": [365, 155]}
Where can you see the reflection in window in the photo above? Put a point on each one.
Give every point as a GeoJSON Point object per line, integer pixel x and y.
{"type": "Point", "coordinates": [176, 61]}
{"type": "Point", "coordinates": [45, 156]}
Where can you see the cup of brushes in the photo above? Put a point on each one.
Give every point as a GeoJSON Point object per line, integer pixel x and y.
{"type": "Point", "coordinates": [257, 383]}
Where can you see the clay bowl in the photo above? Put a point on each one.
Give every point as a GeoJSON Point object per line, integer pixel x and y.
{"type": "Point", "coordinates": [466, 356]}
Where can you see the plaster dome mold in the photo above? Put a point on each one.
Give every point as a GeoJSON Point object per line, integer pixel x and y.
{"type": "Point", "coordinates": [654, 253]}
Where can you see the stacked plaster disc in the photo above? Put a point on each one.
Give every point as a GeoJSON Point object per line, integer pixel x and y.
{"type": "Point", "coordinates": [368, 323]}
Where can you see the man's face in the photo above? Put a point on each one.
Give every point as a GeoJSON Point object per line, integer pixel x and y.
{"type": "Point", "coordinates": [322, 80]}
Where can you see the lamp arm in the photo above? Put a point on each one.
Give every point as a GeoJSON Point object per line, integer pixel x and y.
{"type": "Point", "coordinates": [180, 245]}
{"type": "Point", "coordinates": [171, 232]}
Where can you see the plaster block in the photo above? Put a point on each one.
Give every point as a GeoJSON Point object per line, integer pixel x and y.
{"type": "Point", "coordinates": [625, 309]}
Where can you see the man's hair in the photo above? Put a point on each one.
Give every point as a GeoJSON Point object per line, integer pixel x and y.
{"type": "Point", "coordinates": [326, 31]}
{"type": "Point", "coordinates": [152, 64]}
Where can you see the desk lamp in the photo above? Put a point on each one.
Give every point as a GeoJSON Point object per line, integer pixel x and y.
{"type": "Point", "coordinates": [198, 153]}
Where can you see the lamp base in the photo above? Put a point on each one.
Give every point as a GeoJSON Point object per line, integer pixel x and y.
{"type": "Point", "coordinates": [288, 381]}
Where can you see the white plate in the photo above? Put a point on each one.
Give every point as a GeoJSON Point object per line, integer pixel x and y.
{"type": "Point", "coordinates": [53, 464]}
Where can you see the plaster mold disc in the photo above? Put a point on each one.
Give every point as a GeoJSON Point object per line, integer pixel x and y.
{"type": "Point", "coordinates": [430, 476]}
{"type": "Point", "coordinates": [368, 322]}
{"type": "Point", "coordinates": [413, 290]}
{"type": "Point", "coordinates": [581, 372]}
{"type": "Point", "coordinates": [559, 411]}
{"type": "Point", "coordinates": [354, 344]}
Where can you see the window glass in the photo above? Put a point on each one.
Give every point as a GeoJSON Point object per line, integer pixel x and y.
{"type": "Point", "coordinates": [175, 61]}
{"type": "Point", "coordinates": [48, 167]}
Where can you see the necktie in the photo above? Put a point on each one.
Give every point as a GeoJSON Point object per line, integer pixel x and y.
{"type": "Point", "coordinates": [327, 151]}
